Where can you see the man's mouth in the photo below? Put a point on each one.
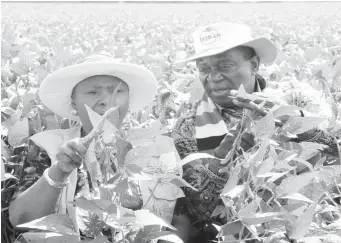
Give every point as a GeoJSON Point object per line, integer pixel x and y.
{"type": "Point", "coordinates": [221, 91]}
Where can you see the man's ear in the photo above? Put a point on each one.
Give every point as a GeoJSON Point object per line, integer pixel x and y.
{"type": "Point", "coordinates": [255, 61]}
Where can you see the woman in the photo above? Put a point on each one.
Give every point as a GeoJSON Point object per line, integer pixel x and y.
{"type": "Point", "coordinates": [65, 92]}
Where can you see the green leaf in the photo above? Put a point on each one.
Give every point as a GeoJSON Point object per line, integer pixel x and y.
{"type": "Point", "coordinates": [3, 170]}
{"type": "Point", "coordinates": [250, 209]}
{"type": "Point", "coordinates": [146, 234]}
{"type": "Point", "coordinates": [139, 137]}
{"type": "Point", "coordinates": [123, 147]}
{"type": "Point", "coordinates": [233, 180]}
{"type": "Point", "coordinates": [265, 126]}
{"type": "Point", "coordinates": [265, 166]}
{"type": "Point", "coordinates": [49, 237]}
{"type": "Point", "coordinates": [283, 110]}
{"type": "Point", "coordinates": [59, 223]}
{"type": "Point", "coordinates": [99, 239]}
{"type": "Point", "coordinates": [167, 191]}
{"type": "Point", "coordinates": [114, 178]}
{"type": "Point", "coordinates": [50, 141]}
{"type": "Point", "coordinates": [7, 110]}
{"type": "Point", "coordinates": [195, 156]}
{"type": "Point", "coordinates": [298, 197]}
{"type": "Point", "coordinates": [89, 223]}
{"type": "Point", "coordinates": [219, 210]}
{"type": "Point", "coordinates": [181, 183]}
{"type": "Point", "coordinates": [133, 168]}
{"type": "Point", "coordinates": [337, 69]}
{"type": "Point", "coordinates": [122, 186]}
{"type": "Point", "coordinates": [97, 206]}
{"type": "Point", "coordinates": [242, 94]}
{"type": "Point", "coordinates": [298, 125]}
{"type": "Point", "coordinates": [259, 155]}
{"type": "Point", "coordinates": [152, 233]}
{"type": "Point", "coordinates": [235, 192]}
{"type": "Point", "coordinates": [145, 217]}
{"type": "Point", "coordinates": [19, 133]}
{"type": "Point", "coordinates": [231, 228]}
{"type": "Point", "coordinates": [293, 184]}
{"type": "Point", "coordinates": [92, 164]}
{"type": "Point", "coordinates": [302, 224]}
{"type": "Point", "coordinates": [314, 190]}
{"type": "Point", "coordinates": [108, 128]}
{"type": "Point", "coordinates": [305, 163]}
{"type": "Point", "coordinates": [169, 237]}
{"type": "Point", "coordinates": [312, 239]}
{"type": "Point", "coordinates": [125, 215]}
{"type": "Point", "coordinates": [273, 176]}
{"type": "Point", "coordinates": [5, 152]}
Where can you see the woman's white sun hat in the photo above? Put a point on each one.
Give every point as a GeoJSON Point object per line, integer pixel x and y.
{"type": "Point", "coordinates": [216, 38]}
{"type": "Point", "coordinates": [56, 89]}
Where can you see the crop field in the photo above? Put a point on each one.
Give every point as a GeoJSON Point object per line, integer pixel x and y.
{"type": "Point", "coordinates": [304, 186]}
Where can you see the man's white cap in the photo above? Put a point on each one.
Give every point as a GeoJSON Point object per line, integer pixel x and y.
{"type": "Point", "coordinates": [219, 37]}
{"type": "Point", "coordinates": [56, 89]}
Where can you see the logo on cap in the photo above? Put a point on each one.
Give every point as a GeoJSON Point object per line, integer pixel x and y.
{"type": "Point", "coordinates": [209, 35]}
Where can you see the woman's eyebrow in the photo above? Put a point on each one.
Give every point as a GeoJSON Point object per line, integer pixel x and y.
{"type": "Point", "coordinates": [96, 86]}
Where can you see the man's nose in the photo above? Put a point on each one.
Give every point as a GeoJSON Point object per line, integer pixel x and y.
{"type": "Point", "coordinates": [215, 77]}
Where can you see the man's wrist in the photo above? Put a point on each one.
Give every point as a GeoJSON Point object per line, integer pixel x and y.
{"type": "Point", "coordinates": [56, 174]}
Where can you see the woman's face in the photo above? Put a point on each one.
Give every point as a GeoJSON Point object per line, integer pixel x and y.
{"type": "Point", "coordinates": [97, 93]}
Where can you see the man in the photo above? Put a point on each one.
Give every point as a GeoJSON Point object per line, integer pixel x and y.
{"type": "Point", "coordinates": [227, 56]}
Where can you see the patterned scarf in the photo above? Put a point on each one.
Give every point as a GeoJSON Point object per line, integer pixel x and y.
{"type": "Point", "coordinates": [212, 122]}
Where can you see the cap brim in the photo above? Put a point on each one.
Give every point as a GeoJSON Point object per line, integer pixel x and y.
{"type": "Point", "coordinates": [265, 49]}
{"type": "Point", "coordinates": [55, 91]}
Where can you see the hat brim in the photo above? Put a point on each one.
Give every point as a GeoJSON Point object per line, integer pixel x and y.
{"type": "Point", "coordinates": [266, 51]}
{"type": "Point", "coordinates": [55, 91]}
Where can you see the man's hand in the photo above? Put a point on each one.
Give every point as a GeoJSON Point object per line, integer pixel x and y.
{"type": "Point", "coordinates": [247, 142]}
{"type": "Point", "coordinates": [269, 103]}
{"type": "Point", "coordinates": [69, 157]}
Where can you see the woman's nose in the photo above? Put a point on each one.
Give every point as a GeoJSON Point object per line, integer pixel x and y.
{"type": "Point", "coordinates": [107, 98]}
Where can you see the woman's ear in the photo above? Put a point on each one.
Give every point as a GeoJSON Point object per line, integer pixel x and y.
{"type": "Point", "coordinates": [74, 107]}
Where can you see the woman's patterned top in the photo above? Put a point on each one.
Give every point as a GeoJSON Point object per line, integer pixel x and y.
{"type": "Point", "coordinates": [36, 162]}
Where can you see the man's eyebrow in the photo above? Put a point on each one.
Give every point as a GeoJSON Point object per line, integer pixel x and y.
{"type": "Point", "coordinates": [218, 58]}
{"type": "Point", "coordinates": [223, 57]}
{"type": "Point", "coordinates": [201, 61]}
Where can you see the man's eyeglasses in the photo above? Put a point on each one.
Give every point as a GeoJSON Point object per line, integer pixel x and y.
{"type": "Point", "coordinates": [222, 67]}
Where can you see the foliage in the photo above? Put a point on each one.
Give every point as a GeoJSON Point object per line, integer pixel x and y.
{"type": "Point", "coordinates": [278, 191]}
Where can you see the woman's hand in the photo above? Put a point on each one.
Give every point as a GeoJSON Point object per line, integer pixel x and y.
{"type": "Point", "coordinates": [69, 157]}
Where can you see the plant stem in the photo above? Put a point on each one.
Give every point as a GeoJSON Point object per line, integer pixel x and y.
{"type": "Point", "coordinates": [151, 194]}
{"type": "Point", "coordinates": [337, 187]}
{"type": "Point", "coordinates": [332, 200]}
{"type": "Point", "coordinates": [338, 149]}
{"type": "Point", "coordinates": [236, 141]}
{"type": "Point", "coordinates": [123, 236]}
{"type": "Point", "coordinates": [241, 233]}
{"type": "Point", "coordinates": [117, 183]}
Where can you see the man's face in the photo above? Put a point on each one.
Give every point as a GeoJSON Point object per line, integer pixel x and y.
{"type": "Point", "coordinates": [97, 93]}
{"type": "Point", "coordinates": [226, 71]}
